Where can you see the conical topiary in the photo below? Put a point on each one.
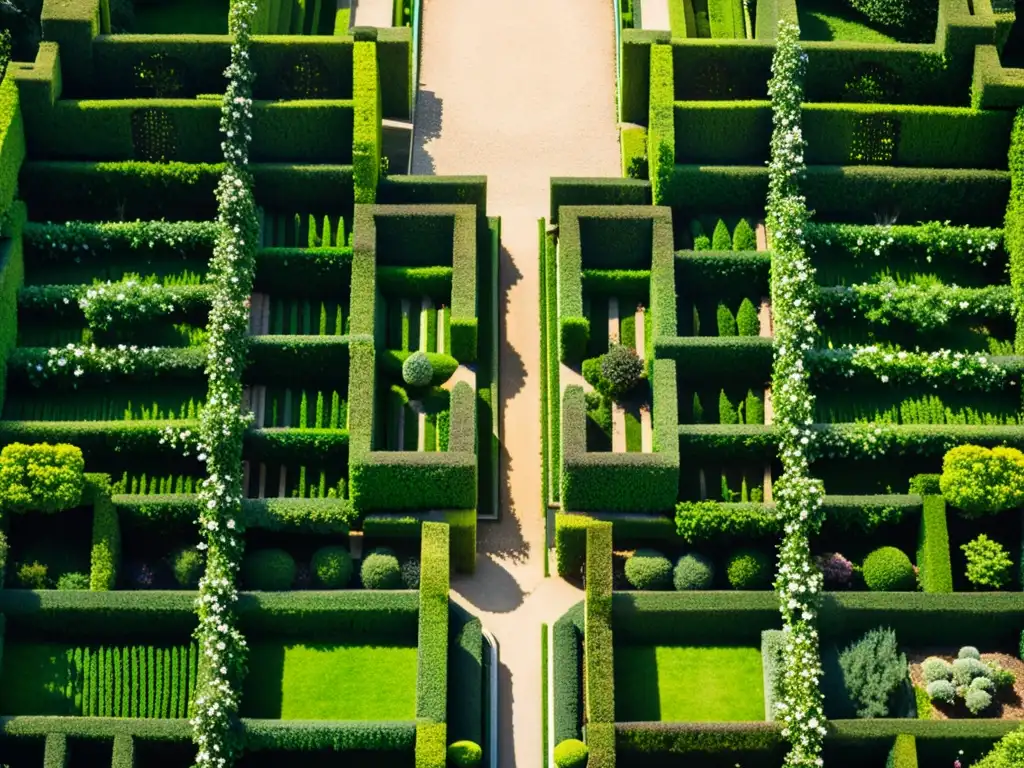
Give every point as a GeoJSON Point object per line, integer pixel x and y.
{"type": "Point", "coordinates": [743, 237]}
{"type": "Point", "coordinates": [726, 411]}
{"type": "Point", "coordinates": [747, 322]}
{"type": "Point", "coordinates": [754, 408]}
{"type": "Point", "coordinates": [720, 240]}
{"type": "Point", "coordinates": [726, 321]}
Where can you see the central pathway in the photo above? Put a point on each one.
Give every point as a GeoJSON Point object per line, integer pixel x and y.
{"type": "Point", "coordinates": [519, 92]}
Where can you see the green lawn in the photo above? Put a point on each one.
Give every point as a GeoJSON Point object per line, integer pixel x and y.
{"type": "Point", "coordinates": [330, 682]}
{"type": "Point", "coordinates": [688, 684]}
{"type": "Point", "coordinates": [33, 680]}
{"type": "Point", "coordinates": [182, 17]}
{"type": "Point", "coordinates": [830, 20]}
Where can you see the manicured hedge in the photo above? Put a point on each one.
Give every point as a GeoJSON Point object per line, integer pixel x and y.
{"type": "Point", "coordinates": [431, 745]}
{"type": "Point", "coordinates": [567, 647]}
{"type": "Point", "coordinates": [466, 708]}
{"type": "Point", "coordinates": [933, 557]}
{"type": "Point", "coordinates": [723, 274]}
{"type": "Point", "coordinates": [55, 751]}
{"type": "Point", "coordinates": [285, 359]}
{"type": "Point", "coordinates": [340, 736]}
{"type": "Point", "coordinates": [409, 480]}
{"type": "Point", "coordinates": [773, 645]}
{"type": "Point", "coordinates": [12, 275]}
{"type": "Point", "coordinates": [570, 543]}
{"type": "Point", "coordinates": [12, 141]}
{"type": "Point", "coordinates": [78, 615]}
{"type": "Point", "coordinates": [596, 191]}
{"type": "Point", "coordinates": [764, 740]}
{"type": "Point", "coordinates": [106, 533]}
{"type": "Point", "coordinates": [366, 148]}
{"type": "Point", "coordinates": [318, 516]}
{"type": "Point", "coordinates": [693, 618]}
{"type": "Point", "coordinates": [307, 272]}
{"type": "Point", "coordinates": [845, 441]}
{"type": "Point", "coordinates": [599, 672]}
{"type": "Point", "coordinates": [574, 327]}
{"type": "Point", "coordinates": [705, 358]}
{"type": "Point", "coordinates": [742, 442]}
{"type": "Point", "coordinates": [1014, 225]}
{"type": "Point", "coordinates": [102, 442]}
{"type": "Point", "coordinates": [661, 128]}
{"type": "Point", "coordinates": [432, 666]}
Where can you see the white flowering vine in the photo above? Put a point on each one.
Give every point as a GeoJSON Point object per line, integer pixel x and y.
{"type": "Point", "coordinates": [892, 365]}
{"type": "Point", "coordinates": [124, 303]}
{"type": "Point", "coordinates": [75, 360]}
{"type": "Point", "coordinates": [798, 496]}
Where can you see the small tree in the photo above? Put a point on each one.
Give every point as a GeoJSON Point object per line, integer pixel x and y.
{"type": "Point", "coordinates": [622, 369]}
{"type": "Point", "coordinates": [727, 413]}
{"type": "Point", "coordinates": [988, 562]}
{"type": "Point", "coordinates": [726, 321]}
{"type": "Point", "coordinates": [720, 240]}
{"type": "Point", "coordinates": [743, 237]}
{"type": "Point", "coordinates": [698, 410]}
{"type": "Point", "coordinates": [747, 321]}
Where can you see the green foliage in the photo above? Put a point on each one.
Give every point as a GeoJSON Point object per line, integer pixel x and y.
{"type": "Point", "coordinates": [268, 570]}
{"type": "Point", "coordinates": [874, 672]}
{"type": "Point", "coordinates": [575, 333]}
{"type": "Point", "coordinates": [649, 569]}
{"type": "Point", "coordinates": [417, 370]}
{"type": "Point", "coordinates": [981, 481]}
{"type": "Point", "coordinates": [570, 543]}
{"type": "Point", "coordinates": [701, 243]}
{"type": "Point", "coordinates": [188, 567]}
{"type": "Point", "coordinates": [708, 520]}
{"type": "Point", "coordinates": [747, 321]}
{"type": "Point", "coordinates": [698, 410]}
{"type": "Point", "coordinates": [571, 753]}
{"type": "Point", "coordinates": [33, 575]}
{"type": "Point", "coordinates": [935, 572]}
{"type": "Point", "coordinates": [727, 413]}
{"type": "Point", "coordinates": [749, 569]}
{"type": "Point", "coordinates": [903, 753]}
{"type": "Point", "coordinates": [888, 569]}
{"type": "Point", "coordinates": [720, 240]}
{"type": "Point", "coordinates": [693, 571]}
{"type": "Point", "coordinates": [105, 557]}
{"type": "Point", "coordinates": [597, 633]}
{"type": "Point", "coordinates": [43, 477]}
{"type": "Point", "coordinates": [367, 137]}
{"type": "Point", "coordinates": [743, 237]}
{"type": "Point", "coordinates": [926, 484]}
{"type": "Point", "coordinates": [432, 674]}
{"type": "Point", "coordinates": [754, 408]}
{"type": "Point", "coordinates": [726, 321]}
{"type": "Point", "coordinates": [381, 570]}
{"type": "Point", "coordinates": [73, 580]}
{"type": "Point", "coordinates": [906, 16]}
{"type": "Point", "coordinates": [622, 369]}
{"type": "Point", "coordinates": [465, 754]}
{"type": "Point", "coordinates": [988, 562]}
{"type": "Point", "coordinates": [332, 567]}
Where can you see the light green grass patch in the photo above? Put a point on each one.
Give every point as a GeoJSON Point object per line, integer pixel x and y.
{"type": "Point", "coordinates": [825, 20]}
{"type": "Point", "coordinates": [331, 682]}
{"type": "Point", "coordinates": [688, 684]}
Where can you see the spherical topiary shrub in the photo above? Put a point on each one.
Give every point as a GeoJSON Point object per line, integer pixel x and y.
{"type": "Point", "coordinates": [649, 569]}
{"type": "Point", "coordinates": [380, 570]}
{"type": "Point", "coordinates": [977, 701]}
{"type": "Point", "coordinates": [571, 753]}
{"type": "Point", "coordinates": [942, 691]}
{"type": "Point", "coordinates": [411, 572]}
{"type": "Point", "coordinates": [417, 370]}
{"type": "Point", "coordinates": [622, 369]}
{"type": "Point", "coordinates": [969, 652]}
{"type": "Point", "coordinates": [749, 569]}
{"type": "Point", "coordinates": [888, 569]}
{"type": "Point", "coordinates": [188, 567]}
{"type": "Point", "coordinates": [268, 570]}
{"type": "Point", "coordinates": [693, 571]}
{"type": "Point", "coordinates": [934, 668]}
{"type": "Point", "coordinates": [982, 481]}
{"type": "Point", "coordinates": [332, 567]}
{"type": "Point", "coordinates": [465, 754]}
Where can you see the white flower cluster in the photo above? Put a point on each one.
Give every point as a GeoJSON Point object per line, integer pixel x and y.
{"type": "Point", "coordinates": [798, 496]}
{"type": "Point", "coordinates": [79, 359]}
{"type": "Point", "coordinates": [933, 240]}
{"type": "Point", "coordinates": [124, 303]}
{"type": "Point", "coordinates": [889, 364]}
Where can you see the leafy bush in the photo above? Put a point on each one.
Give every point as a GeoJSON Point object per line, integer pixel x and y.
{"type": "Point", "coordinates": [969, 652]}
{"type": "Point", "coordinates": [727, 413]}
{"type": "Point", "coordinates": [888, 569]}
{"type": "Point", "coordinates": [873, 672]}
{"type": "Point", "coordinates": [701, 243]}
{"type": "Point", "coordinates": [465, 754]}
{"type": "Point", "coordinates": [380, 570]}
{"type": "Point", "coordinates": [749, 569]}
{"type": "Point", "coordinates": [188, 567]}
{"type": "Point", "coordinates": [332, 567]}
{"type": "Point", "coordinates": [571, 753]}
{"type": "Point", "coordinates": [988, 562]}
{"type": "Point", "coordinates": [754, 408]}
{"type": "Point", "coordinates": [622, 368]}
{"type": "Point", "coordinates": [693, 571]}
{"type": "Point", "coordinates": [977, 700]}
{"type": "Point", "coordinates": [720, 239]}
{"type": "Point", "coordinates": [982, 481]}
{"type": "Point", "coordinates": [268, 570]}
{"type": "Point", "coordinates": [411, 572]}
{"type": "Point", "coordinates": [836, 569]}
{"type": "Point", "coordinates": [72, 581]}
{"type": "Point", "coordinates": [966, 669]}
{"type": "Point", "coordinates": [743, 237]}
{"type": "Point", "coordinates": [747, 322]}
{"type": "Point", "coordinates": [649, 569]}
{"type": "Point", "coordinates": [726, 321]}
{"type": "Point", "coordinates": [982, 684]}
{"type": "Point", "coordinates": [934, 668]}
{"type": "Point", "coordinates": [41, 477]}
{"type": "Point", "coordinates": [33, 575]}
{"type": "Point", "coordinates": [942, 691]}
{"type": "Point", "coordinates": [417, 370]}
{"type": "Point", "coordinates": [967, 677]}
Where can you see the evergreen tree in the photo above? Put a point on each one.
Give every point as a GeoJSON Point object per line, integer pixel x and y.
{"type": "Point", "coordinates": [720, 240]}
{"type": "Point", "coordinates": [743, 237]}
{"type": "Point", "coordinates": [726, 411]}
{"type": "Point", "coordinates": [754, 408]}
{"type": "Point", "coordinates": [747, 322]}
{"type": "Point", "coordinates": [726, 321]}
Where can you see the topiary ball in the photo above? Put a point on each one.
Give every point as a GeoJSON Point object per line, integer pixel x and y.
{"type": "Point", "coordinates": [749, 569]}
{"type": "Point", "coordinates": [622, 368]}
{"type": "Point", "coordinates": [411, 572]}
{"type": "Point", "coordinates": [417, 370]}
{"type": "Point", "coordinates": [268, 570]}
{"type": "Point", "coordinates": [969, 652]}
{"type": "Point", "coordinates": [977, 701]}
{"type": "Point", "coordinates": [693, 571]}
{"type": "Point", "coordinates": [934, 668]}
{"type": "Point", "coordinates": [942, 690]}
{"type": "Point", "coordinates": [888, 569]}
{"type": "Point", "coordinates": [571, 753]}
{"type": "Point", "coordinates": [187, 565]}
{"type": "Point", "coordinates": [465, 754]}
{"type": "Point", "coordinates": [648, 569]}
{"type": "Point", "coordinates": [380, 570]}
{"type": "Point", "coordinates": [332, 567]}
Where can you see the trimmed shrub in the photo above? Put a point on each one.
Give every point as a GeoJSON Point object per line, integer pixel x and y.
{"type": "Point", "coordinates": [188, 567]}
{"type": "Point", "coordinates": [649, 569]}
{"type": "Point", "coordinates": [873, 672]}
{"type": "Point", "coordinates": [988, 562]}
{"type": "Point", "coordinates": [888, 569]}
{"type": "Point", "coordinates": [982, 481]}
{"type": "Point", "coordinates": [749, 569]}
{"type": "Point", "coordinates": [934, 668]}
{"type": "Point", "coordinates": [966, 669]}
{"type": "Point", "coordinates": [720, 239]}
{"type": "Point", "coordinates": [571, 753]}
{"type": "Point", "coordinates": [903, 753]}
{"type": "Point", "coordinates": [969, 652]}
{"type": "Point", "coordinates": [727, 413]}
{"type": "Point", "coordinates": [726, 321]}
{"type": "Point", "coordinates": [942, 691]}
{"type": "Point", "coordinates": [332, 567]}
{"type": "Point", "coordinates": [747, 321]}
{"type": "Point", "coordinates": [977, 700]}
{"type": "Point", "coordinates": [41, 477]}
{"type": "Point", "coordinates": [465, 754]}
{"type": "Point", "coordinates": [701, 243]}
{"type": "Point", "coordinates": [268, 570]}
{"type": "Point", "coordinates": [693, 571]}
{"type": "Point", "coordinates": [411, 572]}
{"type": "Point", "coordinates": [622, 369]}
{"type": "Point", "coordinates": [417, 370]}
{"type": "Point", "coordinates": [71, 581]}
{"type": "Point", "coordinates": [743, 237]}
{"type": "Point", "coordinates": [698, 410]}
{"type": "Point", "coordinates": [380, 570]}
{"type": "Point", "coordinates": [982, 684]}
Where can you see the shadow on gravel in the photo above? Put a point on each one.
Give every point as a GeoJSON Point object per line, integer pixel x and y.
{"type": "Point", "coordinates": [428, 121]}
{"type": "Point", "coordinates": [491, 589]}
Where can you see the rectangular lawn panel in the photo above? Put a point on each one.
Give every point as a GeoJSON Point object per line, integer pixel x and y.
{"type": "Point", "coordinates": [688, 684]}
{"type": "Point", "coordinates": [331, 682]}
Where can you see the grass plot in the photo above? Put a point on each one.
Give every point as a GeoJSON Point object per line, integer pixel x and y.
{"type": "Point", "coordinates": [688, 684]}
{"type": "Point", "coordinates": [330, 682]}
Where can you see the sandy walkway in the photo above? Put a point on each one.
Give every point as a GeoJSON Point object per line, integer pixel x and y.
{"type": "Point", "coordinates": [519, 92]}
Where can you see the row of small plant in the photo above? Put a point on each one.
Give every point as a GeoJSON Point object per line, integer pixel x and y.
{"type": "Point", "coordinates": [331, 567]}
{"type": "Point", "coordinates": [749, 410]}
{"type": "Point", "coordinates": [926, 409]}
{"type": "Point", "coordinates": [648, 569]}
{"type": "Point", "coordinates": [741, 239]}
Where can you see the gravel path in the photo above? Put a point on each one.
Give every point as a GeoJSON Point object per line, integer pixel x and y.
{"type": "Point", "coordinates": [520, 92]}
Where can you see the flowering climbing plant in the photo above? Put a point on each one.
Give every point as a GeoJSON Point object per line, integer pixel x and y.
{"type": "Point", "coordinates": [124, 303]}
{"type": "Point", "coordinates": [798, 496]}
{"type": "Point", "coordinates": [890, 364]}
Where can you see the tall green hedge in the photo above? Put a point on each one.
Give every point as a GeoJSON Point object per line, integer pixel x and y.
{"type": "Point", "coordinates": [1013, 231]}
{"type": "Point", "coordinates": [432, 665]}
{"type": "Point", "coordinates": [599, 672]}
{"type": "Point", "coordinates": [661, 132]}
{"type": "Point", "coordinates": [366, 147]}
{"type": "Point", "coordinates": [933, 556]}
